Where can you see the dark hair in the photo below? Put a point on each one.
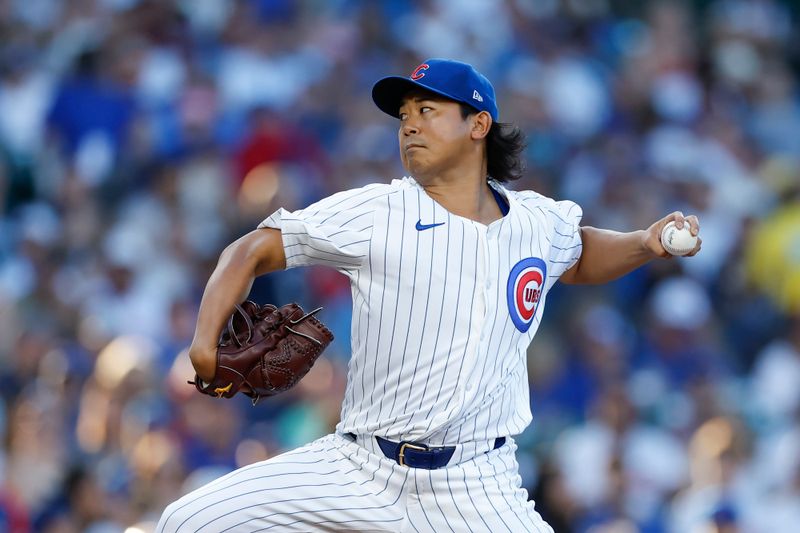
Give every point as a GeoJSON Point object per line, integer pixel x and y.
{"type": "Point", "coordinates": [504, 146]}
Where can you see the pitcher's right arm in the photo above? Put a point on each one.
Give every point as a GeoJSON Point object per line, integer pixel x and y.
{"type": "Point", "coordinates": [256, 253]}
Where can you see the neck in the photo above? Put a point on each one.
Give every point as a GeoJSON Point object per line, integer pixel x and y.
{"type": "Point", "coordinates": [466, 196]}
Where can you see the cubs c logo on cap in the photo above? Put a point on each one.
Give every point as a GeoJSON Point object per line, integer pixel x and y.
{"type": "Point", "coordinates": [418, 72]}
{"type": "Point", "coordinates": [525, 285]}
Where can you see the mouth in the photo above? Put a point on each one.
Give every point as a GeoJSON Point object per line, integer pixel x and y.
{"type": "Point", "coordinates": [411, 146]}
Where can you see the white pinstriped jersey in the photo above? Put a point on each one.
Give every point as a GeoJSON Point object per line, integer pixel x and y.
{"type": "Point", "coordinates": [444, 307]}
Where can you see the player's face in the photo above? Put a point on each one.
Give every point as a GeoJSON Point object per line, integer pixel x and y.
{"type": "Point", "coordinates": [433, 134]}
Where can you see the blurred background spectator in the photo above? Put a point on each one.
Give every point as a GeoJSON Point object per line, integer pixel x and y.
{"type": "Point", "coordinates": [137, 138]}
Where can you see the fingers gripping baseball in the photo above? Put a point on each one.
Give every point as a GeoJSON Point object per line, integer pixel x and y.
{"type": "Point", "coordinates": [674, 235]}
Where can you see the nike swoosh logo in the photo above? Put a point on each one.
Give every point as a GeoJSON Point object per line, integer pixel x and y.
{"type": "Point", "coordinates": [423, 227]}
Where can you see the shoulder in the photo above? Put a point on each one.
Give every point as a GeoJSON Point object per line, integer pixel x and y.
{"type": "Point", "coordinates": [533, 199]}
{"type": "Point", "coordinates": [530, 198]}
{"type": "Point", "coordinates": [525, 196]}
{"type": "Point", "coordinates": [564, 211]}
{"type": "Point", "coordinates": [358, 198]}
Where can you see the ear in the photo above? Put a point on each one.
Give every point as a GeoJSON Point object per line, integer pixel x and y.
{"type": "Point", "coordinates": [481, 123]}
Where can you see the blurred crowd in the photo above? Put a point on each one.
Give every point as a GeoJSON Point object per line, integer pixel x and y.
{"type": "Point", "coordinates": [139, 137]}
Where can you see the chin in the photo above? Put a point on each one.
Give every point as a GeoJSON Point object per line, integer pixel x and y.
{"type": "Point", "coordinates": [417, 169]}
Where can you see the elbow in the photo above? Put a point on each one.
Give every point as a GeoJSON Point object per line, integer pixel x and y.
{"type": "Point", "coordinates": [239, 254]}
{"type": "Point", "coordinates": [233, 253]}
{"type": "Point", "coordinates": [204, 361]}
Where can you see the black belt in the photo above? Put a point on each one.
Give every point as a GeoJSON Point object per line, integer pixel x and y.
{"type": "Point", "coordinates": [418, 455]}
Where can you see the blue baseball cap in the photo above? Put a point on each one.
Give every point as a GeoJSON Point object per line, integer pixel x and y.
{"type": "Point", "coordinates": [452, 79]}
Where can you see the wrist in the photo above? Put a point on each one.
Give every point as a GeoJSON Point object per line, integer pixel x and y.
{"type": "Point", "coordinates": [204, 361]}
{"type": "Point", "coordinates": [645, 238]}
{"type": "Point", "coordinates": [647, 245]}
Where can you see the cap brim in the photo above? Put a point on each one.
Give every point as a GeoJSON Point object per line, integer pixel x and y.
{"type": "Point", "coordinates": [388, 93]}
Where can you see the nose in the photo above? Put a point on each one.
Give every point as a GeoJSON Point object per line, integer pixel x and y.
{"type": "Point", "coordinates": [409, 127]}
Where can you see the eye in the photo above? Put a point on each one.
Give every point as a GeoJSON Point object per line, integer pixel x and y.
{"type": "Point", "coordinates": [402, 116]}
{"type": "Point", "coordinates": [424, 109]}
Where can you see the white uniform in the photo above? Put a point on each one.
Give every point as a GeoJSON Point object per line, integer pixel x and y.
{"type": "Point", "coordinates": [444, 309]}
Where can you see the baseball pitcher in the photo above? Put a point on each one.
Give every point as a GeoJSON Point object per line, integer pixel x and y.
{"type": "Point", "coordinates": [450, 272]}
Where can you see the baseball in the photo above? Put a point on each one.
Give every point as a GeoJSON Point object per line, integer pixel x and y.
{"type": "Point", "coordinates": [677, 241]}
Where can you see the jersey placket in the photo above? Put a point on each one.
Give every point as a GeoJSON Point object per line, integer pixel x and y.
{"type": "Point", "coordinates": [481, 318]}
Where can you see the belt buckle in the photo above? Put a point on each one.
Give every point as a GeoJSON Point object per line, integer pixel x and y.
{"type": "Point", "coordinates": [401, 453]}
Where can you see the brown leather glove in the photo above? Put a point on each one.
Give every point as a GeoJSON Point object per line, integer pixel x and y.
{"type": "Point", "coordinates": [265, 350]}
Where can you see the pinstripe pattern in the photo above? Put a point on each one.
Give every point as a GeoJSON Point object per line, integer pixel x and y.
{"type": "Point", "coordinates": [421, 326]}
{"type": "Point", "coordinates": [404, 382]}
{"type": "Point", "coordinates": [328, 481]}
{"type": "Point", "coordinates": [436, 357]}
{"type": "Point", "coordinates": [433, 346]}
{"type": "Point", "coordinates": [480, 495]}
{"type": "Point", "coordinates": [333, 484]}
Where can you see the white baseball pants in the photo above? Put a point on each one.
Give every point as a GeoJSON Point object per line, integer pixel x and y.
{"type": "Point", "coordinates": [333, 484]}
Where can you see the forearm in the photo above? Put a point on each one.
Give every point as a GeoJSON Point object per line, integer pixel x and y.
{"type": "Point", "coordinates": [608, 255]}
{"type": "Point", "coordinates": [229, 284]}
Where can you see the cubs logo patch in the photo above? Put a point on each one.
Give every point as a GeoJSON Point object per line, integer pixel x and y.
{"type": "Point", "coordinates": [524, 289]}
